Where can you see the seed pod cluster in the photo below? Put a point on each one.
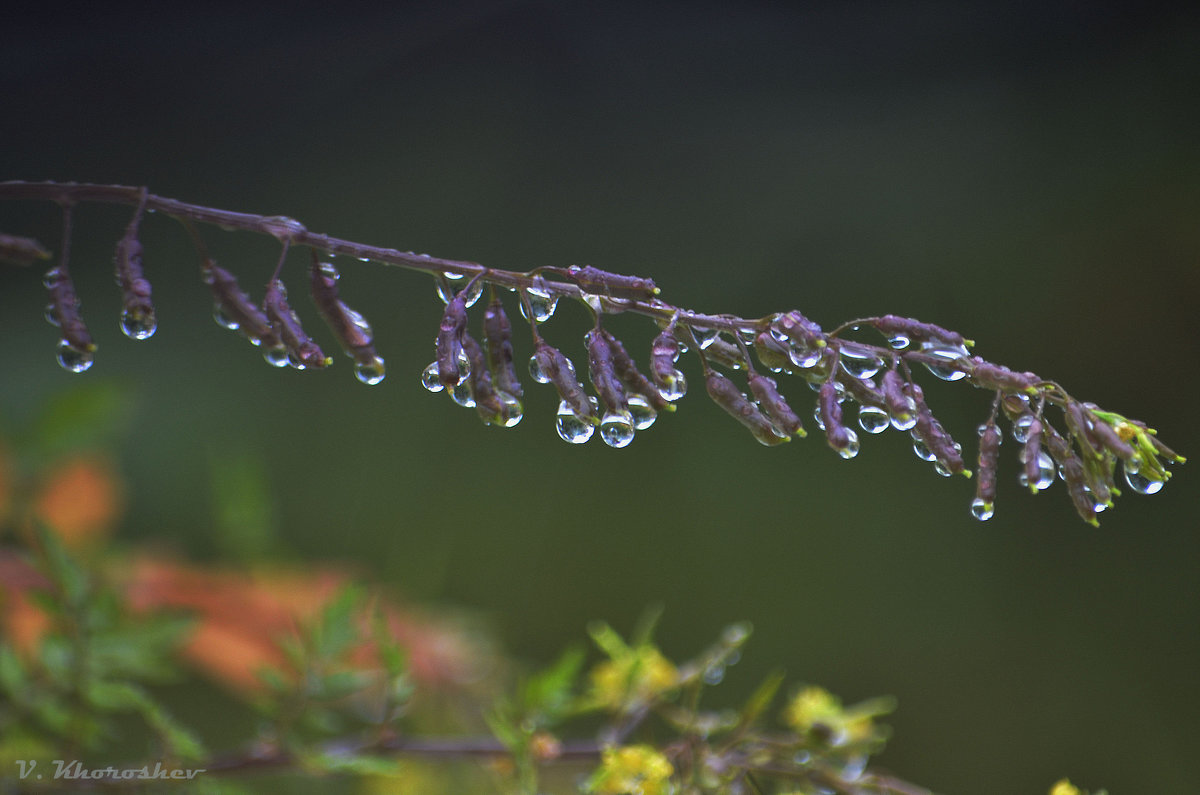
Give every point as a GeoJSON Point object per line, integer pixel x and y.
{"type": "Point", "coordinates": [351, 329]}
{"type": "Point", "coordinates": [16, 250]}
{"type": "Point", "coordinates": [603, 373]}
{"type": "Point", "coordinates": [233, 309]}
{"type": "Point", "coordinates": [450, 355]}
{"type": "Point", "coordinates": [985, 484]}
{"type": "Point", "coordinates": [726, 394]}
{"type": "Point", "coordinates": [497, 332]}
{"type": "Point", "coordinates": [614, 285]}
{"type": "Point", "coordinates": [774, 406]}
{"type": "Point", "coordinates": [905, 330]}
{"type": "Point", "coordinates": [75, 346]}
{"type": "Point", "coordinates": [631, 377]}
{"type": "Point", "coordinates": [947, 454]}
{"type": "Point", "coordinates": [495, 407]}
{"type": "Point", "coordinates": [302, 351]}
{"type": "Point", "coordinates": [550, 365]}
{"type": "Point", "coordinates": [843, 440]}
{"type": "Point", "coordinates": [138, 319]}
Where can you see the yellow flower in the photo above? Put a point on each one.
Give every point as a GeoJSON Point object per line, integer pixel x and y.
{"type": "Point", "coordinates": [632, 770]}
{"type": "Point", "coordinates": [1064, 787]}
{"type": "Point", "coordinates": [812, 706]}
{"type": "Point", "coordinates": [637, 675]}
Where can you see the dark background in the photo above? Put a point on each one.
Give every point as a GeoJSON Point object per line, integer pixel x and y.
{"type": "Point", "coordinates": [1026, 173]}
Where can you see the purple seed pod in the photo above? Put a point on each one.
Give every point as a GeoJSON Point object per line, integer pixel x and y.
{"type": "Point", "coordinates": [350, 328]}
{"type": "Point", "coordinates": [497, 332]}
{"type": "Point", "coordinates": [916, 331]}
{"type": "Point", "coordinates": [632, 378]}
{"type": "Point", "coordinates": [1109, 440]}
{"type": "Point", "coordinates": [602, 370]}
{"type": "Point", "coordinates": [614, 285]}
{"type": "Point", "coordinates": [931, 433]}
{"type": "Point", "coordinates": [994, 376]}
{"type": "Point", "coordinates": [864, 391]}
{"type": "Point", "coordinates": [664, 353]}
{"type": "Point", "coordinates": [137, 311]}
{"type": "Point", "coordinates": [774, 406]}
{"type": "Point", "coordinates": [449, 340]}
{"type": "Point", "coordinates": [1033, 451]}
{"type": "Point", "coordinates": [797, 327]}
{"type": "Point", "coordinates": [989, 456]}
{"type": "Point", "coordinates": [63, 311]}
{"type": "Point", "coordinates": [837, 434]}
{"type": "Point", "coordinates": [1080, 426]}
{"type": "Point", "coordinates": [900, 405]}
{"type": "Point", "coordinates": [302, 352]}
{"type": "Point", "coordinates": [15, 250]}
{"type": "Point", "coordinates": [558, 370]}
{"type": "Point", "coordinates": [725, 354]}
{"type": "Point", "coordinates": [492, 407]}
{"type": "Point", "coordinates": [726, 395]}
{"type": "Point", "coordinates": [1081, 495]}
{"type": "Point", "coordinates": [234, 309]}
{"type": "Point", "coordinates": [771, 352]}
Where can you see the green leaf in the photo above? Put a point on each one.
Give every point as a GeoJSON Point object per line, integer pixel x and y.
{"type": "Point", "coordinates": [550, 692]}
{"type": "Point", "coordinates": [337, 629]}
{"type": "Point", "coordinates": [760, 700]}
{"type": "Point", "coordinates": [61, 568]}
{"type": "Point", "coordinates": [13, 679]}
{"type": "Point", "coordinates": [90, 415]}
{"type": "Point", "coordinates": [607, 639]}
{"type": "Point", "coordinates": [341, 684]}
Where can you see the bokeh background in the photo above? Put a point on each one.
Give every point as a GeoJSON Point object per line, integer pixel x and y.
{"type": "Point", "coordinates": [1026, 173]}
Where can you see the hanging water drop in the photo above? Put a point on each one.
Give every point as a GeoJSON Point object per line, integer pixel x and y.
{"type": "Point", "coordinates": [570, 428]}
{"type": "Point", "coordinates": [542, 302]}
{"type": "Point", "coordinates": [472, 292]}
{"type": "Point", "coordinates": [803, 356]}
{"type": "Point", "coordinates": [275, 356]}
{"type": "Point", "coordinates": [511, 413]}
{"type": "Point", "coordinates": [223, 319]}
{"type": "Point", "coordinates": [1139, 483]}
{"type": "Point", "coordinates": [73, 359]}
{"type": "Point", "coordinates": [941, 352]}
{"type": "Point", "coordinates": [138, 325]}
{"type": "Point", "coordinates": [430, 379]}
{"type": "Point", "coordinates": [922, 450]}
{"type": "Point", "coordinates": [51, 316]}
{"type": "Point", "coordinates": [616, 429]}
{"type": "Point", "coordinates": [535, 371]}
{"type": "Point", "coordinates": [899, 342]}
{"type": "Point", "coordinates": [453, 276]}
{"type": "Point", "coordinates": [461, 394]}
{"type": "Point", "coordinates": [705, 336]}
{"type": "Point", "coordinates": [873, 420]}
{"type": "Point", "coordinates": [981, 509]}
{"type": "Point", "coordinates": [676, 389]}
{"type": "Point", "coordinates": [851, 448]}
{"type": "Point", "coordinates": [1046, 471]}
{"type": "Point", "coordinates": [1020, 427]}
{"type": "Point", "coordinates": [370, 372]}
{"type": "Point", "coordinates": [643, 414]}
{"type": "Point", "coordinates": [859, 364]}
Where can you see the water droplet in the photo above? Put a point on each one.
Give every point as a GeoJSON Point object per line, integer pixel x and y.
{"type": "Point", "coordinates": [803, 356]}
{"type": "Point", "coordinates": [276, 357]}
{"type": "Point", "coordinates": [817, 416]}
{"type": "Point", "coordinates": [511, 413]}
{"type": "Point", "coordinates": [714, 674]}
{"type": "Point", "coordinates": [51, 316]}
{"type": "Point", "coordinates": [328, 269]}
{"type": "Point", "coordinates": [705, 336]}
{"type": "Point", "coordinates": [542, 303]}
{"type": "Point", "coordinates": [923, 452]}
{"type": "Point", "coordinates": [873, 420]}
{"type": "Point", "coordinates": [72, 359]}
{"type": "Point", "coordinates": [1020, 428]}
{"type": "Point", "coordinates": [947, 353]}
{"type": "Point", "coordinates": [430, 379]}
{"type": "Point", "coordinates": [981, 509]}
{"type": "Point", "coordinates": [616, 429]}
{"type": "Point", "coordinates": [859, 364]}
{"type": "Point", "coordinates": [52, 278]}
{"type": "Point", "coordinates": [906, 420]}
{"type": "Point", "coordinates": [535, 372]}
{"type": "Point", "coordinates": [942, 469]}
{"type": "Point", "coordinates": [676, 389]}
{"type": "Point", "coordinates": [370, 373]}
{"type": "Point", "coordinates": [571, 428]}
{"type": "Point", "coordinates": [1140, 484]}
{"type": "Point", "coordinates": [899, 342]}
{"type": "Point", "coordinates": [643, 413]}
{"type": "Point", "coordinates": [1046, 471]}
{"type": "Point", "coordinates": [223, 320]}
{"type": "Point", "coordinates": [453, 276]}
{"type": "Point", "coordinates": [851, 449]}
{"type": "Point", "coordinates": [444, 290]}
{"type": "Point", "coordinates": [138, 325]}
{"type": "Point", "coordinates": [748, 335]}
{"type": "Point", "coordinates": [461, 394]}
{"type": "Point", "coordinates": [472, 292]}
